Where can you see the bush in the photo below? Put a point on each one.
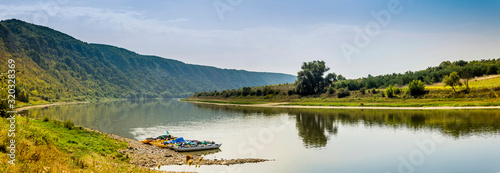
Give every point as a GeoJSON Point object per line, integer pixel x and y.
{"type": "Point", "coordinates": [416, 88]}
{"type": "Point", "coordinates": [291, 92]}
{"type": "Point", "coordinates": [389, 91]}
{"type": "Point", "coordinates": [45, 119]}
{"type": "Point", "coordinates": [69, 124]}
{"type": "Point", "coordinates": [23, 96]}
{"type": "Point", "coordinates": [396, 90]}
{"type": "Point", "coordinates": [246, 91]}
{"type": "Point", "coordinates": [392, 91]}
{"type": "Point", "coordinates": [344, 92]}
{"type": "Point", "coordinates": [258, 92]}
{"type": "Point", "coordinates": [492, 69]}
{"type": "Point", "coordinates": [268, 96]}
{"type": "Point", "coordinates": [374, 91]}
{"type": "Point", "coordinates": [331, 90]}
{"type": "Point", "coordinates": [362, 91]}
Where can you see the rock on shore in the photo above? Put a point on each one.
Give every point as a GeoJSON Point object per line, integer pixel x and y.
{"type": "Point", "coordinates": [151, 156]}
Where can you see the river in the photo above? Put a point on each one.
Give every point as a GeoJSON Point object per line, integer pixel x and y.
{"type": "Point", "coordinates": [306, 140]}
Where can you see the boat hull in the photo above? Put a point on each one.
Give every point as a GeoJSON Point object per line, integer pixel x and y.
{"type": "Point", "coordinates": [147, 141]}
{"type": "Point", "coordinates": [209, 147]}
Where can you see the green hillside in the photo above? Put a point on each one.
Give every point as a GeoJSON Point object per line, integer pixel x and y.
{"type": "Point", "coordinates": [53, 65]}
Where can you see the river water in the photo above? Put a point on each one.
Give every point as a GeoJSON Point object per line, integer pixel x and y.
{"type": "Point", "coordinates": [306, 140]}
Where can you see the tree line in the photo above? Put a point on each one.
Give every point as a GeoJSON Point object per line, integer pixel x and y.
{"type": "Point", "coordinates": [313, 80]}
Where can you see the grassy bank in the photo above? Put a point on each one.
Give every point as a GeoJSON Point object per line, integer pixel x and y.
{"type": "Point", "coordinates": [484, 91]}
{"type": "Point", "coordinates": [54, 146]}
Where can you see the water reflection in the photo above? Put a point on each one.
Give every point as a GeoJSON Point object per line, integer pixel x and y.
{"type": "Point", "coordinates": [315, 130]}
{"type": "Point", "coordinates": [315, 126]}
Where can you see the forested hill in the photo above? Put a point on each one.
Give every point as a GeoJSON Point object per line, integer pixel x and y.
{"type": "Point", "coordinates": [53, 65]}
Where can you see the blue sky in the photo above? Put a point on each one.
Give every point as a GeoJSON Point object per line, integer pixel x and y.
{"type": "Point", "coordinates": [277, 36]}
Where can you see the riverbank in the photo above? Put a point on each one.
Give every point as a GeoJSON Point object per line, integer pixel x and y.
{"type": "Point", "coordinates": [325, 106]}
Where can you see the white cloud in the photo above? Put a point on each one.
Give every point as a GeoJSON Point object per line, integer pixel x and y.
{"type": "Point", "coordinates": [263, 48]}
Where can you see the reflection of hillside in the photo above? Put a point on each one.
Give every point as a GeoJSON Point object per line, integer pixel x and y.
{"type": "Point", "coordinates": [114, 116]}
{"type": "Point", "coordinates": [315, 125]}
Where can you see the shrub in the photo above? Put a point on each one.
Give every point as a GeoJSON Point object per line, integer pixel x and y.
{"type": "Point", "coordinates": [291, 92]}
{"type": "Point", "coordinates": [344, 92]}
{"type": "Point", "coordinates": [389, 91]}
{"type": "Point", "coordinates": [258, 92]}
{"type": "Point", "coordinates": [23, 96]}
{"type": "Point", "coordinates": [416, 88]}
{"type": "Point", "coordinates": [45, 119]}
{"type": "Point", "coordinates": [362, 91]}
{"type": "Point", "coordinates": [396, 90]}
{"type": "Point", "coordinates": [492, 69]}
{"type": "Point", "coordinates": [453, 80]}
{"type": "Point", "coordinates": [246, 91]}
{"type": "Point", "coordinates": [69, 124]}
{"type": "Point", "coordinates": [331, 90]}
{"type": "Point", "coordinates": [374, 91]}
{"type": "Point", "coordinates": [268, 96]}
{"type": "Point", "coordinates": [392, 91]}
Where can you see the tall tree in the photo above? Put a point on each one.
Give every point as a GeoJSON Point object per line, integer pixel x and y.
{"type": "Point", "coordinates": [467, 74]}
{"type": "Point", "coordinates": [452, 80]}
{"type": "Point", "coordinates": [304, 84]}
{"type": "Point", "coordinates": [310, 78]}
{"type": "Point", "coordinates": [331, 78]}
{"type": "Point", "coordinates": [340, 77]}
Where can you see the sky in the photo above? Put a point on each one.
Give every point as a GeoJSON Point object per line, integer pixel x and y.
{"type": "Point", "coordinates": [354, 37]}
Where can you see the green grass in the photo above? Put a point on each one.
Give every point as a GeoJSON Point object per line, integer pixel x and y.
{"type": "Point", "coordinates": [491, 81]}
{"type": "Point", "coordinates": [49, 146]}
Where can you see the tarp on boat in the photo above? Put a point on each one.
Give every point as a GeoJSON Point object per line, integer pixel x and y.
{"type": "Point", "coordinates": [162, 137]}
{"type": "Point", "coordinates": [178, 140]}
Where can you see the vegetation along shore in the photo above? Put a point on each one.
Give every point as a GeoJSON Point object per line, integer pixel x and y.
{"type": "Point", "coordinates": [451, 85]}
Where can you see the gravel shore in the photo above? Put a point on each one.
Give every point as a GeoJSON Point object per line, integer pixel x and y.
{"type": "Point", "coordinates": [151, 156]}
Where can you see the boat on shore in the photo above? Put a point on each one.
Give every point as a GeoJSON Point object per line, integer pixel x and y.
{"type": "Point", "coordinates": [159, 138]}
{"type": "Point", "coordinates": [194, 145]}
{"type": "Point", "coordinates": [196, 148]}
{"type": "Point", "coordinates": [179, 144]}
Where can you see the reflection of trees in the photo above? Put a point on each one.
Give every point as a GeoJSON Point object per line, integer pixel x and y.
{"type": "Point", "coordinates": [312, 129]}
{"type": "Point", "coordinates": [316, 125]}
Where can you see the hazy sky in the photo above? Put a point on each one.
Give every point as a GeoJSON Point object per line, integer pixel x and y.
{"type": "Point", "coordinates": [354, 37]}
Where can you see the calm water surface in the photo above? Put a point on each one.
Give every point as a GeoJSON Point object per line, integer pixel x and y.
{"type": "Point", "coordinates": [307, 140]}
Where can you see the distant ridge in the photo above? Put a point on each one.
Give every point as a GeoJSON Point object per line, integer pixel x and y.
{"type": "Point", "coordinates": [54, 65]}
